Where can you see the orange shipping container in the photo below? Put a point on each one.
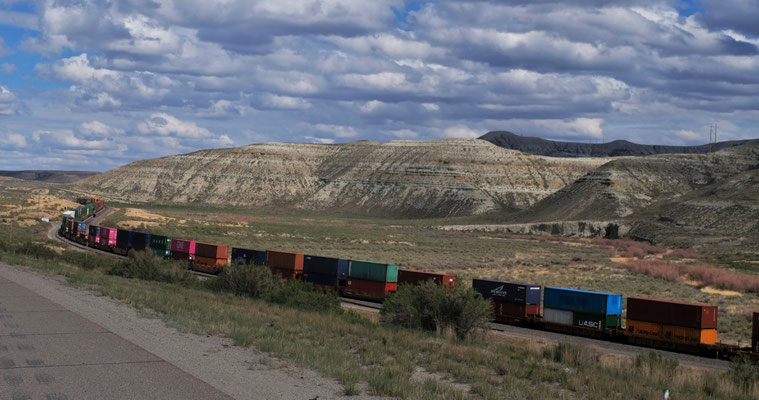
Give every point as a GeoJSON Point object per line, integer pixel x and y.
{"type": "Point", "coordinates": [210, 250]}
{"type": "Point", "coordinates": [282, 260]}
{"type": "Point", "coordinates": [644, 329]}
{"type": "Point", "coordinates": [207, 264]}
{"type": "Point", "coordinates": [290, 274]}
{"type": "Point", "coordinates": [689, 335]}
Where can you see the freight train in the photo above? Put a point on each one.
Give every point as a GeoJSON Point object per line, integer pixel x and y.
{"type": "Point", "coordinates": [662, 324]}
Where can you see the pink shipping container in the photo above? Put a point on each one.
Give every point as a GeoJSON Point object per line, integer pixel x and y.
{"type": "Point", "coordinates": [183, 246]}
{"type": "Point", "coordinates": [107, 236]}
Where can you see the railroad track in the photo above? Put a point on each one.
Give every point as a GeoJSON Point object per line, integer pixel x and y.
{"type": "Point", "coordinates": [603, 346]}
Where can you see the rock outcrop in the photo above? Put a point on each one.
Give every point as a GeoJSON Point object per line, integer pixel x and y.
{"type": "Point", "coordinates": [402, 178]}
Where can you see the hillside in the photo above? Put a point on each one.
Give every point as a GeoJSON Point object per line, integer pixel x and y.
{"type": "Point", "coordinates": [617, 148]}
{"type": "Point", "coordinates": [48, 176]}
{"type": "Point", "coordinates": [629, 185]}
{"type": "Point", "coordinates": [401, 178]}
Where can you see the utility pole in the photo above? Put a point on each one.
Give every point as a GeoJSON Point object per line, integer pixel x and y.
{"type": "Point", "coordinates": [712, 136]}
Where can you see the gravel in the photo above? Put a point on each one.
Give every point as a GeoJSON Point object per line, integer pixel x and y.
{"type": "Point", "coordinates": [242, 373]}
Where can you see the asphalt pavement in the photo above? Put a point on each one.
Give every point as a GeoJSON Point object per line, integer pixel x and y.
{"type": "Point", "coordinates": [52, 353]}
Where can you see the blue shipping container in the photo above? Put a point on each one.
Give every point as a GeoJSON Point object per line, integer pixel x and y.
{"type": "Point", "coordinates": [583, 301]}
{"type": "Point", "coordinates": [342, 269]}
{"type": "Point", "coordinates": [520, 293]}
{"type": "Point", "coordinates": [81, 227]}
{"type": "Point", "coordinates": [248, 256]}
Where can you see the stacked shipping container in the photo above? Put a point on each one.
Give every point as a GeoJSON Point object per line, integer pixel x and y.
{"type": "Point", "coordinates": [672, 321]}
{"type": "Point", "coordinates": [160, 245]}
{"type": "Point", "coordinates": [510, 299]}
{"type": "Point", "coordinates": [286, 265]}
{"type": "Point", "coordinates": [407, 276]}
{"type": "Point", "coordinates": [595, 310]}
{"type": "Point", "coordinates": [182, 249]}
{"type": "Point", "coordinates": [372, 280]}
{"type": "Point", "coordinates": [107, 236]}
{"type": "Point", "coordinates": [325, 271]}
{"type": "Point", "coordinates": [210, 257]}
{"type": "Point", "coordinates": [248, 256]}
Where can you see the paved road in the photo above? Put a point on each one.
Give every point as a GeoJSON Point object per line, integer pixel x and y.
{"type": "Point", "coordinates": [49, 352]}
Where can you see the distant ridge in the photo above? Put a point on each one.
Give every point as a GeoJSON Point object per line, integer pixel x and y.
{"type": "Point", "coordinates": [543, 147]}
{"type": "Point", "coordinates": [49, 176]}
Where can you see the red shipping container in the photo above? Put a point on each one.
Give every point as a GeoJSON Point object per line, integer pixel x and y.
{"type": "Point", "coordinates": [183, 246]}
{"type": "Point", "coordinates": [287, 261]}
{"type": "Point", "coordinates": [407, 276]}
{"type": "Point", "coordinates": [369, 289]}
{"type": "Point", "coordinates": [210, 250]}
{"type": "Point", "coordinates": [666, 312]}
{"type": "Point", "coordinates": [516, 310]}
{"type": "Point", "coordinates": [755, 336]}
{"type": "Point", "coordinates": [108, 236]}
{"type": "Point", "coordinates": [290, 274]}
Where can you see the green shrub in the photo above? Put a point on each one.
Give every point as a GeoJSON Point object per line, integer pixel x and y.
{"type": "Point", "coordinates": [744, 373]}
{"type": "Point", "coordinates": [147, 266]}
{"type": "Point", "coordinates": [244, 280]}
{"type": "Point", "coordinates": [303, 296]}
{"type": "Point", "coordinates": [431, 307]}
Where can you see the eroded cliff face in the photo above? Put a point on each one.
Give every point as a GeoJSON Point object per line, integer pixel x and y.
{"type": "Point", "coordinates": [629, 185]}
{"type": "Point", "coordinates": [402, 178]}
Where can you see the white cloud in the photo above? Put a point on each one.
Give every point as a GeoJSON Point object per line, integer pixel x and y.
{"type": "Point", "coordinates": [689, 135]}
{"type": "Point", "coordinates": [8, 102]}
{"type": "Point", "coordinates": [338, 131]}
{"type": "Point", "coordinates": [403, 134]}
{"type": "Point", "coordinates": [319, 140]}
{"type": "Point", "coordinates": [166, 125]}
{"type": "Point", "coordinates": [461, 132]}
{"type": "Point", "coordinates": [371, 106]}
{"type": "Point", "coordinates": [382, 80]}
{"type": "Point", "coordinates": [14, 140]}
{"type": "Point", "coordinates": [287, 102]}
{"type": "Point", "coordinates": [99, 129]}
{"type": "Point", "coordinates": [8, 68]}
{"type": "Point", "coordinates": [431, 106]}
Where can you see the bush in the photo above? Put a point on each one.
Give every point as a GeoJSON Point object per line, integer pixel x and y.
{"type": "Point", "coordinates": [431, 307]}
{"type": "Point", "coordinates": [147, 266]}
{"type": "Point", "coordinates": [655, 268]}
{"type": "Point", "coordinates": [744, 373]}
{"type": "Point", "coordinates": [303, 296]}
{"type": "Point", "coordinates": [244, 280]}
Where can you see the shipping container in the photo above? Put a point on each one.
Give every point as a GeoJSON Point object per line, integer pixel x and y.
{"type": "Point", "coordinates": [321, 265]}
{"type": "Point", "coordinates": [644, 329]}
{"type": "Point", "coordinates": [178, 255]}
{"type": "Point", "coordinates": [122, 239]}
{"type": "Point", "coordinates": [515, 310]}
{"type": "Point", "coordinates": [693, 336]}
{"type": "Point", "coordinates": [249, 256]}
{"type": "Point", "coordinates": [373, 271]}
{"type": "Point", "coordinates": [507, 291]}
{"type": "Point", "coordinates": [596, 321]}
{"type": "Point", "coordinates": [320, 279]}
{"type": "Point", "coordinates": [755, 335]}
{"type": "Point", "coordinates": [555, 316]}
{"type": "Point", "coordinates": [108, 236]}
{"type": "Point", "coordinates": [93, 235]}
{"type": "Point", "coordinates": [139, 240]}
{"type": "Point", "coordinates": [183, 246]}
{"type": "Point", "coordinates": [208, 264]}
{"type": "Point", "coordinates": [342, 271]}
{"type": "Point", "coordinates": [369, 289]}
{"type": "Point", "coordinates": [81, 228]}
{"type": "Point", "coordinates": [583, 301]}
{"type": "Point", "coordinates": [284, 262]}
{"type": "Point", "coordinates": [210, 250]}
{"type": "Point", "coordinates": [160, 245]}
{"type": "Point", "coordinates": [284, 273]}
{"type": "Point", "coordinates": [411, 277]}
{"type": "Point", "coordinates": [689, 315]}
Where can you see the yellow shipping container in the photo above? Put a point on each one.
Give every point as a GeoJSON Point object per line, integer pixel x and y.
{"type": "Point", "coordinates": [644, 329]}
{"type": "Point", "coordinates": [689, 335]}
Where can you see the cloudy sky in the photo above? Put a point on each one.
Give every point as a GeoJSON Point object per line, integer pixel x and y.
{"type": "Point", "coordinates": [91, 85]}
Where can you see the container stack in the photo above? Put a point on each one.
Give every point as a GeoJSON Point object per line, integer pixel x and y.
{"type": "Point", "coordinates": [372, 280]}
{"type": "Point", "coordinates": [94, 235]}
{"type": "Point", "coordinates": [139, 240]}
{"type": "Point", "coordinates": [286, 265]}
{"type": "Point", "coordinates": [673, 321]}
{"type": "Point", "coordinates": [183, 249]}
{"type": "Point", "coordinates": [210, 257]}
{"type": "Point", "coordinates": [160, 245]}
{"type": "Point", "coordinates": [594, 310]}
{"type": "Point", "coordinates": [410, 277]}
{"type": "Point", "coordinates": [755, 334]}
{"type": "Point", "coordinates": [325, 271]}
{"type": "Point", "coordinates": [107, 236]}
{"type": "Point", "coordinates": [248, 256]}
{"type": "Point", "coordinates": [510, 299]}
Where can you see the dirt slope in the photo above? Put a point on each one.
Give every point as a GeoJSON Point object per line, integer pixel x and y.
{"type": "Point", "coordinates": [401, 178]}
{"type": "Point", "coordinates": [628, 185]}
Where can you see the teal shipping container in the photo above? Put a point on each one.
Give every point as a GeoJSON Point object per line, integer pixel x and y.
{"type": "Point", "coordinates": [373, 271]}
{"type": "Point", "coordinates": [160, 245]}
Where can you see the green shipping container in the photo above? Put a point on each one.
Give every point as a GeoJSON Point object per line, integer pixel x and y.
{"type": "Point", "coordinates": [373, 271]}
{"type": "Point", "coordinates": [597, 321]}
{"type": "Point", "coordinates": [160, 245]}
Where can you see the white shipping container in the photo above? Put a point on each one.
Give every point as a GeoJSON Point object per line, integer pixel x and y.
{"type": "Point", "coordinates": [558, 316]}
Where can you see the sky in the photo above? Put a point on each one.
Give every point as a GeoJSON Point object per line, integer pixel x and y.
{"type": "Point", "coordinates": [91, 85]}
